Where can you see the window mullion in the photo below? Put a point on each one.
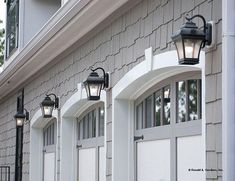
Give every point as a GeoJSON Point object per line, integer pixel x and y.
{"type": "Point", "coordinates": [78, 129]}
{"type": "Point", "coordinates": [187, 101]}
{"type": "Point", "coordinates": [152, 111]}
{"type": "Point", "coordinates": [173, 103]}
{"type": "Point", "coordinates": [162, 106]}
{"type": "Point", "coordinates": [82, 128]}
{"type": "Point", "coordinates": [97, 163]}
{"type": "Point", "coordinates": [91, 124]}
{"type": "Point", "coordinates": [16, 35]}
{"type": "Point", "coordinates": [97, 122]}
{"type": "Point", "coordinates": [144, 114]}
{"type": "Point", "coordinates": [199, 99]}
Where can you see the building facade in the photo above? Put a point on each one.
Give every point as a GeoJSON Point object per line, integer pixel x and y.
{"type": "Point", "coordinates": [158, 120]}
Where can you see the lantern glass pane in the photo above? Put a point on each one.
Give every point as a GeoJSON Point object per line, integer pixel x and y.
{"type": "Point", "coordinates": [19, 121]}
{"type": "Point", "coordinates": [47, 110]}
{"type": "Point", "coordinates": [192, 47]}
{"type": "Point", "coordinates": [197, 48]}
{"type": "Point", "coordinates": [87, 90]}
{"type": "Point", "coordinates": [95, 89]}
{"type": "Point", "coordinates": [179, 47]}
{"type": "Point", "coordinates": [167, 106]}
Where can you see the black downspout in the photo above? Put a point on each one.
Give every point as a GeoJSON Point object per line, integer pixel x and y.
{"type": "Point", "coordinates": [19, 140]}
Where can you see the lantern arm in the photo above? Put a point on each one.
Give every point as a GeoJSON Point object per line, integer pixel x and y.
{"type": "Point", "coordinates": [199, 16]}
{"type": "Point", "coordinates": [56, 99]}
{"type": "Point", "coordinates": [98, 68]}
{"type": "Point", "coordinates": [207, 29]}
{"type": "Point", "coordinates": [26, 114]}
{"type": "Point", "coordinates": [105, 76]}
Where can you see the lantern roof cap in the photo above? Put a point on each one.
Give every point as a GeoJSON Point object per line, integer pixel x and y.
{"type": "Point", "coordinates": [94, 78]}
{"type": "Point", "coordinates": [189, 30]}
{"type": "Point", "coordinates": [19, 115]}
{"type": "Point", "coordinates": [47, 102]}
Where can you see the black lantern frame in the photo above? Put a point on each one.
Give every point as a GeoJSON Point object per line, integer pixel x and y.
{"type": "Point", "coordinates": [21, 117]}
{"type": "Point", "coordinates": [94, 84]}
{"type": "Point", "coordinates": [189, 40]}
{"type": "Point", "coordinates": [48, 105]}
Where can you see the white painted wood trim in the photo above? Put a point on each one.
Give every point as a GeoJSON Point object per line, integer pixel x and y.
{"type": "Point", "coordinates": [228, 89]}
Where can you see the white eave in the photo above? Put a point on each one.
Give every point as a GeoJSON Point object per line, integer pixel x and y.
{"type": "Point", "coordinates": [74, 20]}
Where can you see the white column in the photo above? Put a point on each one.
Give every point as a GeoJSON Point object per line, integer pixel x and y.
{"type": "Point", "coordinates": [228, 89]}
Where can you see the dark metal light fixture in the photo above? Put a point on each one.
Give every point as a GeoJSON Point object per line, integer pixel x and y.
{"type": "Point", "coordinates": [94, 84]}
{"type": "Point", "coordinates": [20, 117]}
{"type": "Point", "coordinates": [190, 39]}
{"type": "Point", "coordinates": [48, 105]}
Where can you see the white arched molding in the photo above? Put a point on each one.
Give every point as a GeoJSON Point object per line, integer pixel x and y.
{"type": "Point", "coordinates": [37, 123]}
{"type": "Point", "coordinates": [72, 108]}
{"type": "Point", "coordinates": [139, 79]}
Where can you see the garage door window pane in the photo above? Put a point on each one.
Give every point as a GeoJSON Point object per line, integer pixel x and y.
{"type": "Point", "coordinates": [85, 127]}
{"type": "Point", "coordinates": [49, 134]}
{"type": "Point", "coordinates": [148, 116]}
{"type": "Point", "coordinates": [181, 101]}
{"type": "Point", "coordinates": [90, 124]}
{"type": "Point", "coordinates": [139, 116]}
{"type": "Point", "coordinates": [157, 120]}
{"type": "Point", "coordinates": [167, 105]}
{"type": "Point", "coordinates": [101, 121]}
{"type": "Point", "coordinates": [192, 100]}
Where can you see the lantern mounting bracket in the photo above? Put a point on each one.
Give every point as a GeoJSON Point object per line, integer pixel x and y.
{"type": "Point", "coordinates": [56, 99]}
{"type": "Point", "coordinates": [207, 29]}
{"type": "Point", "coordinates": [26, 114]}
{"type": "Point", "coordinates": [105, 76]}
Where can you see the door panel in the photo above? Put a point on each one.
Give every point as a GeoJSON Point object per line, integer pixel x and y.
{"type": "Point", "coordinates": [153, 160]}
{"type": "Point", "coordinates": [190, 153]}
{"type": "Point", "coordinates": [86, 164]}
{"type": "Point", "coordinates": [49, 167]}
{"type": "Point", "coordinates": [101, 164]}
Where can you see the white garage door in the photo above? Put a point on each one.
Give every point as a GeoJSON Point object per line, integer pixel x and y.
{"type": "Point", "coordinates": [49, 167]}
{"type": "Point", "coordinates": [86, 164]}
{"type": "Point", "coordinates": [190, 156]}
{"type": "Point", "coordinates": [101, 164]}
{"type": "Point", "coordinates": [153, 160]}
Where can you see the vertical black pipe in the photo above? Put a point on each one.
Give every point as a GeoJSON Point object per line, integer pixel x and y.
{"type": "Point", "coordinates": [9, 172]}
{"type": "Point", "coordinates": [1, 173]}
{"type": "Point", "coordinates": [19, 140]}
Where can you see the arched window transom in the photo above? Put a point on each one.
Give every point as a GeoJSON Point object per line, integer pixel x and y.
{"type": "Point", "coordinates": [175, 99]}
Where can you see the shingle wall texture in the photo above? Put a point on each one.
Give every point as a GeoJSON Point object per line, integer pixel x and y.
{"type": "Point", "coordinates": [118, 48]}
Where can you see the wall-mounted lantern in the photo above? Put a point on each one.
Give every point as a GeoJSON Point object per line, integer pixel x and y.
{"type": "Point", "coordinates": [94, 84]}
{"type": "Point", "coordinates": [21, 117]}
{"type": "Point", "coordinates": [190, 39]}
{"type": "Point", "coordinates": [48, 105]}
